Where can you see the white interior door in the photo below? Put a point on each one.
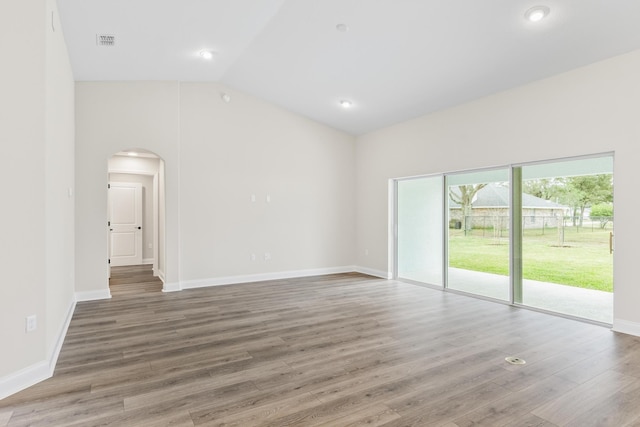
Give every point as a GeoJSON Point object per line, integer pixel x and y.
{"type": "Point", "coordinates": [125, 223]}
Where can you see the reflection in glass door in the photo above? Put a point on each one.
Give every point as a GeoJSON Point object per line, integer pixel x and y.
{"type": "Point", "coordinates": [567, 229]}
{"type": "Point", "coordinates": [419, 222]}
{"type": "Point", "coordinates": [478, 237]}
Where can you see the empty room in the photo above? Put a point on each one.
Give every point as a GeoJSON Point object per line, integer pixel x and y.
{"type": "Point", "coordinates": [320, 213]}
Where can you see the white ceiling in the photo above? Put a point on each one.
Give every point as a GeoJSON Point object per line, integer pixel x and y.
{"type": "Point", "coordinates": [399, 59]}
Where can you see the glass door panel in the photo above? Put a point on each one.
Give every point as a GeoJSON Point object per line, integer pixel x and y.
{"type": "Point", "coordinates": [478, 232]}
{"type": "Point", "coordinates": [567, 228]}
{"type": "Point", "coordinates": [419, 221]}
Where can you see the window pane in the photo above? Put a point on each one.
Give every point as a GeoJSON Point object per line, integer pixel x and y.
{"type": "Point", "coordinates": [420, 229]}
{"type": "Point", "coordinates": [478, 224]}
{"type": "Point", "coordinates": [567, 217]}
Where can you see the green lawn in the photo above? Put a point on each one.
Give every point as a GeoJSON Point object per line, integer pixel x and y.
{"type": "Point", "coordinates": [584, 260]}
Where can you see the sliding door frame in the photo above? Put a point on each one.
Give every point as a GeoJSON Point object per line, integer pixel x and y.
{"type": "Point", "coordinates": [515, 231]}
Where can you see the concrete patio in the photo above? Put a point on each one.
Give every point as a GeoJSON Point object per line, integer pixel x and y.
{"type": "Point", "coordinates": [584, 303]}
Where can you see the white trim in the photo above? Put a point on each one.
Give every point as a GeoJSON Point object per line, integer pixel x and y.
{"type": "Point", "coordinates": [156, 218]}
{"type": "Point", "coordinates": [392, 229]}
{"type": "Point", "coordinates": [171, 287]}
{"type": "Point", "coordinates": [626, 327]}
{"type": "Point", "coordinates": [24, 378]}
{"type": "Point", "coordinates": [93, 295]}
{"type": "Point", "coordinates": [40, 371]}
{"type": "Point", "coordinates": [55, 352]}
{"type": "Point", "coordinates": [371, 272]}
{"type": "Point", "coordinates": [146, 261]}
{"type": "Point", "coordinates": [230, 280]}
{"type": "Point", "coordinates": [159, 274]}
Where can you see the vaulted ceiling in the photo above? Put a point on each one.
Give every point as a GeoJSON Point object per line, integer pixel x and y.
{"type": "Point", "coordinates": [392, 59]}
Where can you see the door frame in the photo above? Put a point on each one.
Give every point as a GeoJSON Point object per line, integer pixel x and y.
{"type": "Point", "coordinates": [156, 209]}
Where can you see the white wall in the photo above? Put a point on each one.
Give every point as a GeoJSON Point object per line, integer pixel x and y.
{"type": "Point", "coordinates": [59, 182]}
{"type": "Point", "coordinates": [216, 156]}
{"type": "Point", "coordinates": [22, 131]}
{"type": "Point", "coordinates": [589, 110]}
{"type": "Point", "coordinates": [36, 134]}
{"type": "Point", "coordinates": [111, 117]}
{"type": "Point", "coordinates": [230, 152]}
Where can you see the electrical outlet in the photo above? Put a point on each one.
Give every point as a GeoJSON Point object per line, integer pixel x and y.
{"type": "Point", "coordinates": [253, 257]}
{"type": "Point", "coordinates": [267, 256]}
{"type": "Point", "coordinates": [150, 245]}
{"type": "Point", "coordinates": [31, 323]}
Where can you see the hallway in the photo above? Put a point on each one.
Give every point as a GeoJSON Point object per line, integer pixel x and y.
{"type": "Point", "coordinates": [133, 280]}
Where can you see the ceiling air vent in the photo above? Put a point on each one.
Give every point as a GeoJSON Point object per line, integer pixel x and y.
{"type": "Point", "coordinates": [105, 39]}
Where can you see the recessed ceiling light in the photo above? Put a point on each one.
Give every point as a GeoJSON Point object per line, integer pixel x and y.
{"type": "Point", "coordinates": [206, 54]}
{"type": "Point", "coordinates": [225, 97]}
{"type": "Point", "coordinates": [343, 28]}
{"type": "Point", "coordinates": [345, 103]}
{"type": "Point", "coordinates": [537, 13]}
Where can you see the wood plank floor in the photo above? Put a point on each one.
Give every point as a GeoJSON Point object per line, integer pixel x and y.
{"type": "Point", "coordinates": [339, 350]}
{"type": "Point", "coordinates": [133, 280]}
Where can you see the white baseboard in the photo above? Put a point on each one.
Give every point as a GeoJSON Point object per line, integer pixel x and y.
{"type": "Point", "coordinates": [40, 371]}
{"type": "Point", "coordinates": [93, 295]}
{"type": "Point", "coordinates": [171, 287]}
{"type": "Point", "coordinates": [159, 274]}
{"type": "Point", "coordinates": [24, 378]}
{"type": "Point", "coordinates": [626, 327]}
{"type": "Point", "coordinates": [55, 352]}
{"type": "Point", "coordinates": [230, 280]}
{"type": "Point", "coordinates": [371, 272]}
{"type": "Point", "coordinates": [147, 261]}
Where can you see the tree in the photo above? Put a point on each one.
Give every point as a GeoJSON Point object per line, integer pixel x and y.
{"type": "Point", "coordinates": [544, 188]}
{"type": "Point", "coordinates": [578, 192]}
{"type": "Point", "coordinates": [602, 212]}
{"type": "Point", "coordinates": [464, 197]}
{"type": "Point", "coordinates": [584, 191]}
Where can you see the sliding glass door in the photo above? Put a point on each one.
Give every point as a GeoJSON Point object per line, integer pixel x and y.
{"type": "Point", "coordinates": [478, 232]}
{"type": "Point", "coordinates": [538, 235]}
{"type": "Point", "coordinates": [419, 222]}
{"type": "Point", "coordinates": [567, 217]}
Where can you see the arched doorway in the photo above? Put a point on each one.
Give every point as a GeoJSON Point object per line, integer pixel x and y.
{"type": "Point", "coordinates": [136, 221]}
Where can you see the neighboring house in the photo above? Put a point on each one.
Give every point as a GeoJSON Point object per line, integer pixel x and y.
{"type": "Point", "coordinates": [490, 208]}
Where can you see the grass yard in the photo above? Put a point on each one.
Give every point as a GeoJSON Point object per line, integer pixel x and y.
{"type": "Point", "coordinates": [584, 260]}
